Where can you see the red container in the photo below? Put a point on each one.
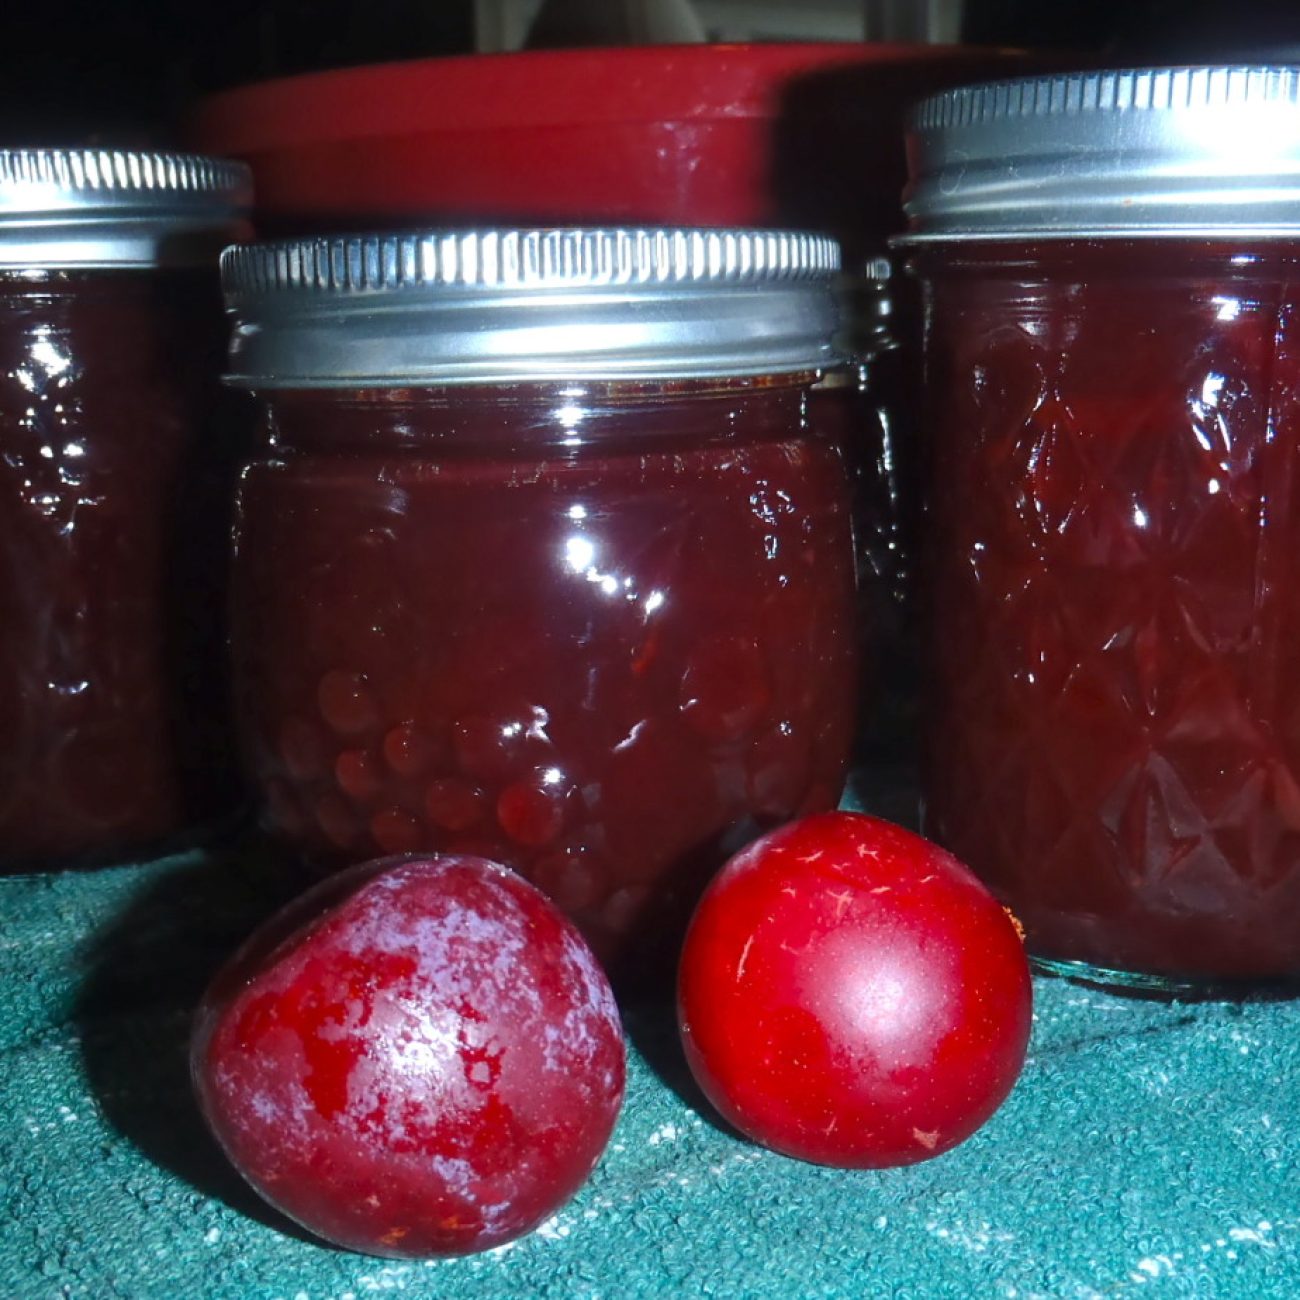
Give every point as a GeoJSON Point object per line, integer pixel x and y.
{"type": "Point", "coordinates": [802, 135]}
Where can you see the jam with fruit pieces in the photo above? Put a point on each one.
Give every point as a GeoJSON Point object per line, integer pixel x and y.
{"type": "Point", "coordinates": [591, 615]}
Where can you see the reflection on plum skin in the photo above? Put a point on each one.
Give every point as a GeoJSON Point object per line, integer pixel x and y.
{"type": "Point", "coordinates": [693, 678]}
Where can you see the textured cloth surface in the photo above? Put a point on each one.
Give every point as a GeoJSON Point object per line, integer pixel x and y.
{"type": "Point", "coordinates": [1150, 1149]}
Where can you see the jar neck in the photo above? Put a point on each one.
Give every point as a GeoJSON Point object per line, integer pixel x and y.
{"type": "Point", "coordinates": [559, 417]}
{"type": "Point", "coordinates": [1139, 259]}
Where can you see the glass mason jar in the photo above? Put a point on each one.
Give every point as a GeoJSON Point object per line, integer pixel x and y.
{"type": "Point", "coordinates": [542, 555]}
{"type": "Point", "coordinates": [1113, 371]}
{"type": "Point", "coordinates": [113, 502]}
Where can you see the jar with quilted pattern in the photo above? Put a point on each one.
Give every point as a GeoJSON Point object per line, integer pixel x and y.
{"type": "Point", "coordinates": [1113, 374]}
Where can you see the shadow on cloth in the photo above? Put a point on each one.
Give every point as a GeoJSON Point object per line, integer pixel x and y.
{"type": "Point", "coordinates": [146, 971]}
{"type": "Point", "coordinates": [651, 1028]}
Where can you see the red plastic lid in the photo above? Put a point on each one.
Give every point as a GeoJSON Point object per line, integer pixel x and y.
{"type": "Point", "coordinates": [680, 135]}
{"type": "Point", "coordinates": [535, 88]}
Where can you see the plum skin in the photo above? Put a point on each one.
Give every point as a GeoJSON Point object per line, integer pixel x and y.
{"type": "Point", "coordinates": [849, 994]}
{"type": "Point", "coordinates": [419, 1057]}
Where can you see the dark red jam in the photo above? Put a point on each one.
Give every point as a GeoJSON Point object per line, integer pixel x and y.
{"type": "Point", "coordinates": [604, 633]}
{"type": "Point", "coordinates": [1115, 601]}
{"type": "Point", "coordinates": [113, 521]}
{"type": "Point", "coordinates": [864, 408]}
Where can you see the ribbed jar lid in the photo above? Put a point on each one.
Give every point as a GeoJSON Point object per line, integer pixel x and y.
{"type": "Point", "coordinates": [487, 306]}
{"type": "Point", "coordinates": [1205, 151]}
{"type": "Point", "coordinates": [109, 207]}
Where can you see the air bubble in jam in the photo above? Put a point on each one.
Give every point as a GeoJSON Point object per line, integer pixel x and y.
{"type": "Point", "coordinates": [358, 774]}
{"type": "Point", "coordinates": [454, 805]}
{"type": "Point", "coordinates": [407, 751]}
{"type": "Point", "coordinates": [531, 811]}
{"type": "Point", "coordinates": [346, 703]}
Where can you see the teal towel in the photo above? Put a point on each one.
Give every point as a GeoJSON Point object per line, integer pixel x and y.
{"type": "Point", "coordinates": [1150, 1149]}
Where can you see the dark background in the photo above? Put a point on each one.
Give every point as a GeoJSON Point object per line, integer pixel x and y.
{"type": "Point", "coordinates": [124, 71]}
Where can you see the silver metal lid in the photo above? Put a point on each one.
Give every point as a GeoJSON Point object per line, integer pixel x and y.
{"type": "Point", "coordinates": [1205, 151]}
{"type": "Point", "coordinates": [112, 208]}
{"type": "Point", "coordinates": [489, 306]}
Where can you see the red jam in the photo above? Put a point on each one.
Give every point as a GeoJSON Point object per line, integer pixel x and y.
{"type": "Point", "coordinates": [602, 632]}
{"type": "Point", "coordinates": [862, 405]}
{"type": "Point", "coordinates": [112, 515]}
{"type": "Point", "coordinates": [1115, 519]}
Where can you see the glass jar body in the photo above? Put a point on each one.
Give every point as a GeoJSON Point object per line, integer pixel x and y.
{"type": "Point", "coordinates": [601, 632]}
{"type": "Point", "coordinates": [114, 531]}
{"type": "Point", "coordinates": [1113, 601]}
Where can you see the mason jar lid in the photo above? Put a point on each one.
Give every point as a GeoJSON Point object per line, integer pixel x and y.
{"type": "Point", "coordinates": [1200, 151]}
{"type": "Point", "coordinates": [488, 306]}
{"type": "Point", "coordinates": [112, 208]}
